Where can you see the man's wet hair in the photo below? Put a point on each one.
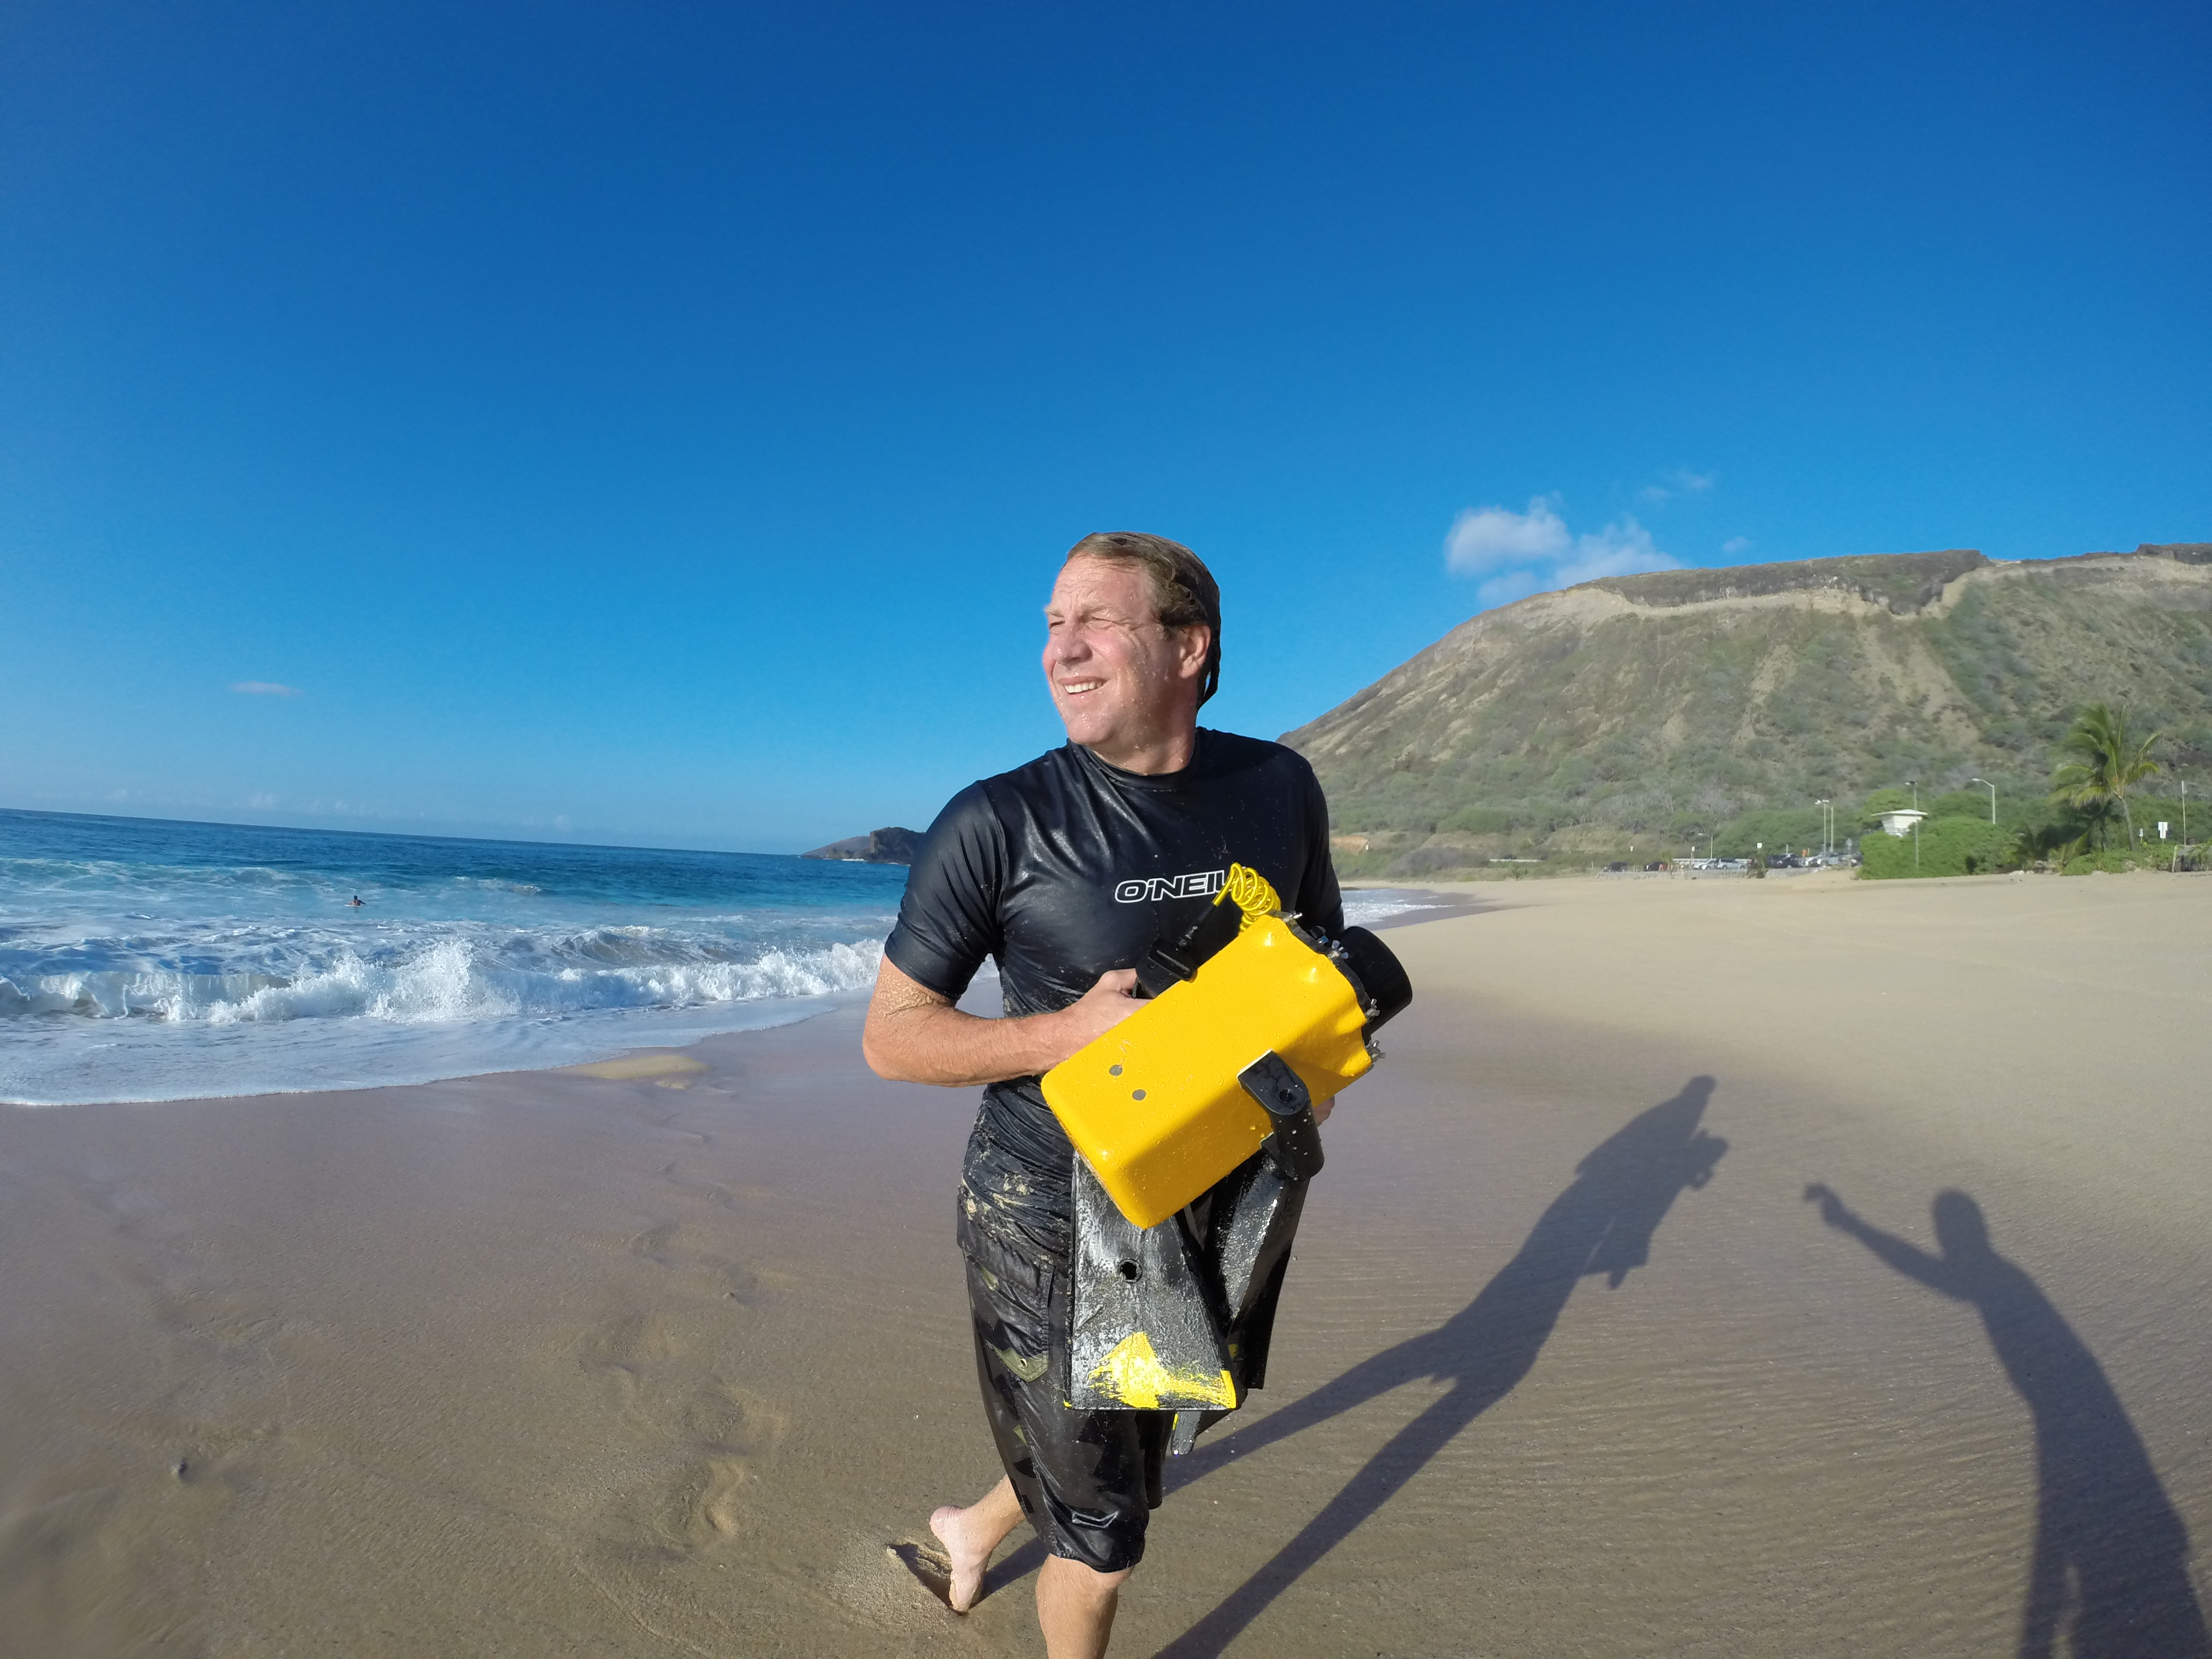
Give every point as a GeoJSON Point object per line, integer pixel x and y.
{"type": "Point", "coordinates": [1184, 592]}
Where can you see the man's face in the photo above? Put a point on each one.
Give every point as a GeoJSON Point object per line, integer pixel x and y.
{"type": "Point", "coordinates": [1122, 682]}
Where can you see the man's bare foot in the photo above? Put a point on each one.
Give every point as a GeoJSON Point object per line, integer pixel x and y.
{"type": "Point", "coordinates": [968, 1539]}
{"type": "Point", "coordinates": [970, 1535]}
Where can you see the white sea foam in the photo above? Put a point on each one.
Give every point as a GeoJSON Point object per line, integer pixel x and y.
{"type": "Point", "coordinates": [1365, 906]}
{"type": "Point", "coordinates": [453, 1006]}
{"type": "Point", "coordinates": [149, 962]}
{"type": "Point", "coordinates": [447, 980]}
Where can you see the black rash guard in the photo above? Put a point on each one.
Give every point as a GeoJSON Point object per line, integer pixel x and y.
{"type": "Point", "coordinates": [1067, 868]}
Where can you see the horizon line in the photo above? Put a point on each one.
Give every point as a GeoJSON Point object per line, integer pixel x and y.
{"type": "Point", "coordinates": [398, 834]}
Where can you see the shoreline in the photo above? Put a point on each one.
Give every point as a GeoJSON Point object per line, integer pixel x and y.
{"type": "Point", "coordinates": [779, 1017]}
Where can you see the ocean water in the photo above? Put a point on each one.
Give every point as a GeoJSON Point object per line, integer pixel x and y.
{"type": "Point", "coordinates": [141, 959]}
{"type": "Point", "coordinates": [147, 960]}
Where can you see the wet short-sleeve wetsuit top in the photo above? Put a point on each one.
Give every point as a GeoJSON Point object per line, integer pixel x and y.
{"type": "Point", "coordinates": [1067, 868]}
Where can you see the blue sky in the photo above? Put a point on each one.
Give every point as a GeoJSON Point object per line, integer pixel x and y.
{"type": "Point", "coordinates": [661, 423]}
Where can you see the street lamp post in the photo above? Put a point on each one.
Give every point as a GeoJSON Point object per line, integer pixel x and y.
{"type": "Point", "coordinates": [1992, 788]}
{"type": "Point", "coordinates": [1827, 827]}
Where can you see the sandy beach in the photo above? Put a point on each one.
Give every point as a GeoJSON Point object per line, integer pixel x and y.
{"type": "Point", "coordinates": [659, 1357]}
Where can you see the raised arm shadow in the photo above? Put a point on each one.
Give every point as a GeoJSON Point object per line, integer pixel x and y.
{"type": "Point", "coordinates": [2109, 1577]}
{"type": "Point", "coordinates": [1603, 1223]}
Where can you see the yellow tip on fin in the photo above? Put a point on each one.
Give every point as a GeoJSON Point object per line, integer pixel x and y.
{"type": "Point", "coordinates": [1133, 1374]}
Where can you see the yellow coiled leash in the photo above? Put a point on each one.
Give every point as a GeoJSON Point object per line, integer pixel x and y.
{"type": "Point", "coordinates": [1250, 892]}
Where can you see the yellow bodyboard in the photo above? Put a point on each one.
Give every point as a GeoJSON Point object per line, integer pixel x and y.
{"type": "Point", "coordinates": [1154, 1105]}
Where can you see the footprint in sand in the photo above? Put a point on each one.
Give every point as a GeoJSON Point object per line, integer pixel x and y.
{"type": "Point", "coordinates": [723, 1419]}
{"type": "Point", "coordinates": [711, 1194]}
{"type": "Point", "coordinates": [704, 1503]}
{"type": "Point", "coordinates": [672, 1246]}
{"type": "Point", "coordinates": [193, 1424]}
{"type": "Point", "coordinates": [719, 1434]}
{"type": "Point", "coordinates": [931, 1566]}
{"type": "Point", "coordinates": [208, 1323]}
{"type": "Point", "coordinates": [927, 1563]}
{"type": "Point", "coordinates": [629, 1344]}
{"type": "Point", "coordinates": [656, 1244]}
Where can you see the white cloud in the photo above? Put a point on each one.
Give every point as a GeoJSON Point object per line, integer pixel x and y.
{"type": "Point", "coordinates": [1680, 482]}
{"type": "Point", "coordinates": [265, 688]}
{"type": "Point", "coordinates": [1531, 552]}
{"type": "Point", "coordinates": [1735, 545]}
{"type": "Point", "coordinates": [1489, 537]}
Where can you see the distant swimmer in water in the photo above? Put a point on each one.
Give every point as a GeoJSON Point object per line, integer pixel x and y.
{"type": "Point", "coordinates": [355, 903]}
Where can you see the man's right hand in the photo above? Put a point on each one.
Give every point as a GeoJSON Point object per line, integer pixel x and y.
{"type": "Point", "coordinates": [914, 1035]}
{"type": "Point", "coordinates": [1098, 1009]}
{"type": "Point", "coordinates": [1832, 1208]}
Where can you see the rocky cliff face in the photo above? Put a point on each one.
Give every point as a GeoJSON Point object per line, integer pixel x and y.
{"type": "Point", "coordinates": [890, 845]}
{"type": "Point", "coordinates": [1904, 583]}
{"type": "Point", "coordinates": [1674, 701]}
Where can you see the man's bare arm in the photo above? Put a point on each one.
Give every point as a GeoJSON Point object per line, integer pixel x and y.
{"type": "Point", "coordinates": [915, 1035]}
{"type": "Point", "coordinates": [1933, 1271]}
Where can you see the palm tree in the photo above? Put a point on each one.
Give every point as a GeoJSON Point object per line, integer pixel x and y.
{"type": "Point", "coordinates": [2103, 760]}
{"type": "Point", "coordinates": [2051, 842]}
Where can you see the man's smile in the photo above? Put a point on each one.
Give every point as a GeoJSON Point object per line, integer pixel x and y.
{"type": "Point", "coordinates": [1077, 687]}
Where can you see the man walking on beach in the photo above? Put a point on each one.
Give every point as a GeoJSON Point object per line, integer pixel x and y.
{"type": "Point", "coordinates": [1066, 871]}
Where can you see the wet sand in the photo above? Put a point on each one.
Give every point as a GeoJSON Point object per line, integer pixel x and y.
{"type": "Point", "coordinates": [660, 1360]}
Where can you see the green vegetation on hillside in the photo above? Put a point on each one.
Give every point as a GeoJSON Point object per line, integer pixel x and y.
{"type": "Point", "coordinates": [1635, 718]}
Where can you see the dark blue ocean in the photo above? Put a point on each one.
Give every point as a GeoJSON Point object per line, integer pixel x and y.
{"type": "Point", "coordinates": [142, 959]}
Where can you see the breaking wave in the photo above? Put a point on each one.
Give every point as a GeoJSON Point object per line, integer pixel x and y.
{"type": "Point", "coordinates": [154, 962]}
{"type": "Point", "coordinates": [450, 980]}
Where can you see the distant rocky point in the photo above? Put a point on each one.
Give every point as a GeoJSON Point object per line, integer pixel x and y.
{"type": "Point", "coordinates": [891, 846]}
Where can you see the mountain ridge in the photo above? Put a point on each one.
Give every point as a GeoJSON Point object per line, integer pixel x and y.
{"type": "Point", "coordinates": [1668, 704]}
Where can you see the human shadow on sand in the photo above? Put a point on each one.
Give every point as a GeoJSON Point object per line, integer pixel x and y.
{"type": "Point", "coordinates": [1602, 1224]}
{"type": "Point", "coordinates": [2109, 1578]}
